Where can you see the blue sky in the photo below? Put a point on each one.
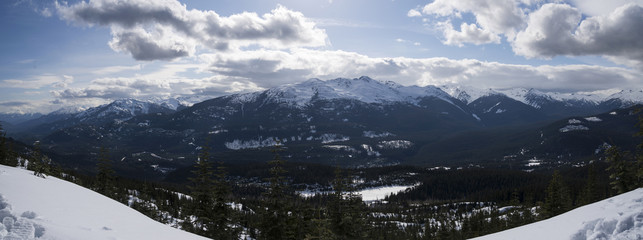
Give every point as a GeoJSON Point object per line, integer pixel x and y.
{"type": "Point", "coordinates": [85, 53]}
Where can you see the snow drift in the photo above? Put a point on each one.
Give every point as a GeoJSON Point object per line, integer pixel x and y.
{"type": "Point", "coordinates": [619, 217]}
{"type": "Point", "coordinates": [50, 208]}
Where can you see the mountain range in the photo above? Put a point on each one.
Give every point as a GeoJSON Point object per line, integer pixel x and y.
{"type": "Point", "coordinates": [349, 122]}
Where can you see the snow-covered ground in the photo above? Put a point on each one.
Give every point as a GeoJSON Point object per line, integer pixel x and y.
{"type": "Point", "coordinates": [379, 193]}
{"type": "Point", "coordinates": [369, 194]}
{"type": "Point", "coordinates": [619, 217]}
{"type": "Point", "coordinates": [51, 208]}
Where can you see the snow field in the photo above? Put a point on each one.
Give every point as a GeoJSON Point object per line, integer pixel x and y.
{"type": "Point", "coordinates": [619, 217]}
{"type": "Point", "coordinates": [67, 211]}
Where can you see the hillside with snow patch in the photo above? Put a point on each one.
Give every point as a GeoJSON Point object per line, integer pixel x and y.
{"type": "Point", "coordinates": [619, 217]}
{"type": "Point", "coordinates": [50, 208]}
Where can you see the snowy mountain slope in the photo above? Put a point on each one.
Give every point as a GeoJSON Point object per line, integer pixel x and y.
{"type": "Point", "coordinates": [114, 112]}
{"type": "Point", "coordinates": [68, 211]}
{"type": "Point", "coordinates": [467, 94]}
{"type": "Point", "coordinates": [363, 89]}
{"type": "Point", "coordinates": [619, 217]}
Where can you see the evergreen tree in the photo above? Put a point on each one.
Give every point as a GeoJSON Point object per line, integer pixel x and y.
{"type": "Point", "coordinates": [346, 209]}
{"type": "Point", "coordinates": [38, 163]}
{"type": "Point", "coordinates": [202, 196]}
{"type": "Point", "coordinates": [11, 155]}
{"type": "Point", "coordinates": [221, 212]}
{"type": "Point", "coordinates": [639, 153]}
{"type": "Point", "coordinates": [274, 215]}
{"type": "Point", "coordinates": [105, 177]}
{"type": "Point", "coordinates": [558, 199]}
{"type": "Point", "coordinates": [4, 152]}
{"type": "Point", "coordinates": [622, 175]}
{"type": "Point", "coordinates": [590, 192]}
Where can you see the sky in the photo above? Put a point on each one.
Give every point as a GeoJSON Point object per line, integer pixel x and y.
{"type": "Point", "coordinates": [84, 53]}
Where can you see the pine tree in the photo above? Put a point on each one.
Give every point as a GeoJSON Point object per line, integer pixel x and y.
{"type": "Point", "coordinates": [558, 200]}
{"type": "Point", "coordinates": [12, 156]}
{"type": "Point", "coordinates": [346, 209]}
{"type": "Point", "coordinates": [38, 163]}
{"type": "Point", "coordinates": [221, 212]}
{"type": "Point", "coordinates": [639, 153]}
{"type": "Point", "coordinates": [622, 175]}
{"type": "Point", "coordinates": [4, 152]}
{"type": "Point", "coordinates": [590, 192]}
{"type": "Point", "coordinates": [201, 192]}
{"type": "Point", "coordinates": [274, 215]}
{"type": "Point", "coordinates": [105, 177]}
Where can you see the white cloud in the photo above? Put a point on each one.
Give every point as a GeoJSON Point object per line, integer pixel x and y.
{"type": "Point", "coordinates": [611, 29]}
{"type": "Point", "coordinates": [601, 7]}
{"type": "Point", "coordinates": [469, 33]}
{"type": "Point", "coordinates": [557, 29]}
{"type": "Point", "coordinates": [414, 13]}
{"type": "Point", "coordinates": [492, 17]}
{"type": "Point", "coordinates": [278, 67]}
{"type": "Point", "coordinates": [36, 82]}
{"type": "Point", "coordinates": [253, 70]}
{"type": "Point", "coordinates": [166, 30]}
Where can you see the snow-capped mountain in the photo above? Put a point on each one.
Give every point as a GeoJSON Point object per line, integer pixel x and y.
{"type": "Point", "coordinates": [357, 115]}
{"type": "Point", "coordinates": [363, 89]}
{"type": "Point", "coordinates": [466, 94]}
{"type": "Point", "coordinates": [618, 217]}
{"type": "Point", "coordinates": [120, 110]}
{"type": "Point", "coordinates": [117, 111]}
{"type": "Point", "coordinates": [537, 98]}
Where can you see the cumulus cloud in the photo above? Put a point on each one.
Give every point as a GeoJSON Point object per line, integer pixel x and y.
{"type": "Point", "coordinates": [166, 30]}
{"type": "Point", "coordinates": [557, 29]}
{"type": "Point", "coordinates": [469, 33]}
{"type": "Point", "coordinates": [492, 19]}
{"type": "Point", "coordinates": [613, 30]}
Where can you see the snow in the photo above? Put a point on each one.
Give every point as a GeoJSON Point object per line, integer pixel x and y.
{"type": "Point", "coordinates": [363, 89]}
{"type": "Point", "coordinates": [379, 193]}
{"type": "Point", "coordinates": [593, 119]}
{"type": "Point", "coordinates": [570, 128]}
{"type": "Point", "coordinates": [573, 121]}
{"type": "Point", "coordinates": [533, 162]}
{"type": "Point", "coordinates": [370, 151]}
{"type": "Point", "coordinates": [394, 144]}
{"type": "Point", "coordinates": [341, 148]}
{"type": "Point", "coordinates": [64, 210]}
{"type": "Point", "coordinates": [476, 117]}
{"type": "Point", "coordinates": [466, 94]}
{"type": "Point", "coordinates": [373, 134]}
{"type": "Point", "coordinates": [253, 143]}
{"type": "Point", "coordinates": [619, 217]}
{"type": "Point", "coordinates": [628, 96]}
{"type": "Point", "coordinates": [332, 137]}
{"type": "Point", "coordinates": [369, 194]}
{"type": "Point", "coordinates": [520, 94]}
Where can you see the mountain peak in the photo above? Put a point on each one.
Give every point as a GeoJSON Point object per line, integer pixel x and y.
{"type": "Point", "coordinates": [364, 89]}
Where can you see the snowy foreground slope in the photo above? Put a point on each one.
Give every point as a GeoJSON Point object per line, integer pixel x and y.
{"type": "Point", "coordinates": [619, 217]}
{"type": "Point", "coordinates": [56, 209]}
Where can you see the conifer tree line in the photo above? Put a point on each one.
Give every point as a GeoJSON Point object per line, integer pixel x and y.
{"type": "Point", "coordinates": [212, 209]}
